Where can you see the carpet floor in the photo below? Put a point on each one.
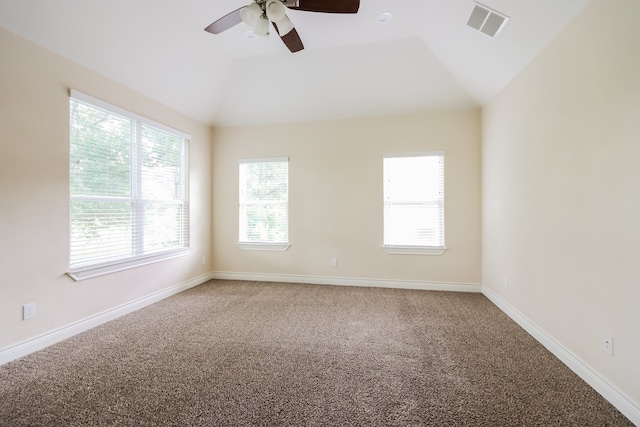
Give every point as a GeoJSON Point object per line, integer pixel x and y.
{"type": "Point", "coordinates": [231, 353]}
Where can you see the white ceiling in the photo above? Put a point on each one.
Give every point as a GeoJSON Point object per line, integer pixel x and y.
{"type": "Point", "coordinates": [426, 58]}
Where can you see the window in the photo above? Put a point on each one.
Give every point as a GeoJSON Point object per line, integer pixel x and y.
{"type": "Point", "coordinates": [414, 203]}
{"type": "Point", "coordinates": [264, 204]}
{"type": "Point", "coordinates": [129, 189]}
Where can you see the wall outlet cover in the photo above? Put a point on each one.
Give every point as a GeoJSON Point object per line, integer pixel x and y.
{"type": "Point", "coordinates": [28, 311]}
{"type": "Point", "coordinates": [608, 344]}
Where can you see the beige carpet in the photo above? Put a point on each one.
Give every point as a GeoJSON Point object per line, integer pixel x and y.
{"type": "Point", "coordinates": [243, 353]}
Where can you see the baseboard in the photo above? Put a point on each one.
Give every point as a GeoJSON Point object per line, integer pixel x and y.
{"type": "Point", "coordinates": [15, 351]}
{"type": "Point", "coordinates": [622, 402]}
{"type": "Point", "coordinates": [349, 281]}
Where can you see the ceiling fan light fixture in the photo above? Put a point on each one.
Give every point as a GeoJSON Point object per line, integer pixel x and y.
{"type": "Point", "coordinates": [275, 10]}
{"type": "Point", "coordinates": [262, 27]}
{"type": "Point", "coordinates": [251, 14]}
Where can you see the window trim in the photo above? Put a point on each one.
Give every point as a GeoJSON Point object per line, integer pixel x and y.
{"type": "Point", "coordinates": [414, 249]}
{"type": "Point", "coordinates": [83, 97]}
{"type": "Point", "coordinates": [262, 246]}
{"type": "Point", "coordinates": [83, 272]}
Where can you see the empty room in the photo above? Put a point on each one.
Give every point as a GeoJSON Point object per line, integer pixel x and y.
{"type": "Point", "coordinates": [319, 212]}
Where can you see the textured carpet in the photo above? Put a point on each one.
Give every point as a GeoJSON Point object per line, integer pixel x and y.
{"type": "Point", "coordinates": [243, 353]}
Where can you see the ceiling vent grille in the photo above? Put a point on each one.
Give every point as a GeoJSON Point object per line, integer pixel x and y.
{"type": "Point", "coordinates": [487, 21]}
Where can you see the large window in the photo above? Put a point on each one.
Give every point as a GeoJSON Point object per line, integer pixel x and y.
{"type": "Point", "coordinates": [414, 202]}
{"type": "Point", "coordinates": [129, 189]}
{"type": "Point", "coordinates": [264, 204]}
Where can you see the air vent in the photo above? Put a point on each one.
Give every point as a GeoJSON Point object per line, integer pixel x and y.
{"type": "Point", "coordinates": [486, 20]}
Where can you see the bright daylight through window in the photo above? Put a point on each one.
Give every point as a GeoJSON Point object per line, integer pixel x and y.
{"type": "Point", "coordinates": [414, 203]}
{"type": "Point", "coordinates": [129, 189]}
{"type": "Point", "coordinates": [264, 204]}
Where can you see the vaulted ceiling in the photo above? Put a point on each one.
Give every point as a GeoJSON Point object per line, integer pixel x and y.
{"type": "Point", "coordinates": [425, 58]}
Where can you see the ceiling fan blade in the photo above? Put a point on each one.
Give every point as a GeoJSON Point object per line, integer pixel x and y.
{"type": "Point", "coordinates": [229, 20]}
{"type": "Point", "coordinates": [328, 6]}
{"type": "Point", "coordinates": [291, 39]}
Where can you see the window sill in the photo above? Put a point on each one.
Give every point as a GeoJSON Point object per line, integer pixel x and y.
{"type": "Point", "coordinates": [248, 246]}
{"type": "Point", "coordinates": [414, 250]}
{"type": "Point", "coordinates": [84, 273]}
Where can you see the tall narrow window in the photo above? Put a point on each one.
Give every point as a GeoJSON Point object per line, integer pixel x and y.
{"type": "Point", "coordinates": [129, 189]}
{"type": "Point", "coordinates": [264, 204]}
{"type": "Point", "coordinates": [414, 202]}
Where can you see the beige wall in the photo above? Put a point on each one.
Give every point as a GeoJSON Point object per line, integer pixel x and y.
{"type": "Point", "coordinates": [335, 195]}
{"type": "Point", "coordinates": [561, 190]}
{"type": "Point", "coordinates": [34, 195]}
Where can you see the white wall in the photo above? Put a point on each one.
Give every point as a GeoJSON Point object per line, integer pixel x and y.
{"type": "Point", "coordinates": [561, 191]}
{"type": "Point", "coordinates": [34, 195]}
{"type": "Point", "coordinates": [335, 175]}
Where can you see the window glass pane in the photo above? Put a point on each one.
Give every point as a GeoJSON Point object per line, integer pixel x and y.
{"type": "Point", "coordinates": [161, 157]}
{"type": "Point", "coordinates": [265, 181]}
{"type": "Point", "coordinates": [412, 224]}
{"type": "Point", "coordinates": [100, 152]}
{"type": "Point", "coordinates": [100, 231]}
{"type": "Point", "coordinates": [412, 178]}
{"type": "Point", "coordinates": [162, 225]}
{"type": "Point", "coordinates": [265, 222]}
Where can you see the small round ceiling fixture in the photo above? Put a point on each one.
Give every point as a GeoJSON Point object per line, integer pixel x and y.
{"type": "Point", "coordinates": [250, 35]}
{"type": "Point", "coordinates": [384, 17]}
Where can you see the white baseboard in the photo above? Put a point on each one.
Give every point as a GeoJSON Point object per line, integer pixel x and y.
{"type": "Point", "coordinates": [349, 281]}
{"type": "Point", "coordinates": [622, 402]}
{"type": "Point", "coordinates": [15, 351]}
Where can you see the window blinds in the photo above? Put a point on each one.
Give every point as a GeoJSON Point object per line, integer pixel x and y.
{"type": "Point", "coordinates": [264, 200]}
{"type": "Point", "coordinates": [128, 185]}
{"type": "Point", "coordinates": [414, 200]}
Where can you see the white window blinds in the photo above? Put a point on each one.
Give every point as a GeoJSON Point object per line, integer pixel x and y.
{"type": "Point", "coordinates": [414, 200]}
{"type": "Point", "coordinates": [128, 184]}
{"type": "Point", "coordinates": [264, 200]}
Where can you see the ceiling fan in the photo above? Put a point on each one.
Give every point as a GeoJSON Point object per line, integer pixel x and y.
{"type": "Point", "coordinates": [259, 13]}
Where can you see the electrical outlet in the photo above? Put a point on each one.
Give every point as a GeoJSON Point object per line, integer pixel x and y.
{"type": "Point", "coordinates": [203, 260]}
{"type": "Point", "coordinates": [334, 262]}
{"type": "Point", "coordinates": [28, 311]}
{"type": "Point", "coordinates": [505, 282]}
{"type": "Point", "coordinates": [608, 344]}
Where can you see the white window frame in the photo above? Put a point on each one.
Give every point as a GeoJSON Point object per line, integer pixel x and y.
{"type": "Point", "coordinates": [399, 249]}
{"type": "Point", "coordinates": [89, 270]}
{"type": "Point", "coordinates": [261, 246]}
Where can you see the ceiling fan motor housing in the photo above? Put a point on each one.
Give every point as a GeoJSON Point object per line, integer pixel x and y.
{"type": "Point", "coordinates": [287, 3]}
